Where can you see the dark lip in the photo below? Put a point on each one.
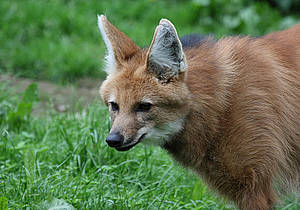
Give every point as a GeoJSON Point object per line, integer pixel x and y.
{"type": "Point", "coordinates": [126, 148]}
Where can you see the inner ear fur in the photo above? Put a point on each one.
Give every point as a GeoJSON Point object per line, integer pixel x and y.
{"type": "Point", "coordinates": [119, 46]}
{"type": "Point", "coordinates": [165, 57]}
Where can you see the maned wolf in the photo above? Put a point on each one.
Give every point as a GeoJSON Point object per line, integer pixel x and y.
{"type": "Point", "coordinates": [228, 109]}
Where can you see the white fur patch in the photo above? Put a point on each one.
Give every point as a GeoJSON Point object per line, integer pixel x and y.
{"type": "Point", "coordinates": [110, 57]}
{"type": "Point", "coordinates": [146, 100]}
{"type": "Point", "coordinates": [159, 135]}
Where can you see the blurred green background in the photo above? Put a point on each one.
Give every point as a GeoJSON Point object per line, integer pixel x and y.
{"type": "Point", "coordinates": [58, 40]}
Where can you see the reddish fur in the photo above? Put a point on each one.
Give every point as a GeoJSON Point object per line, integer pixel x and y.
{"type": "Point", "coordinates": [241, 101]}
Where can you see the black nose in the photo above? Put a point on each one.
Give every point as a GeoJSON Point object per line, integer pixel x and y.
{"type": "Point", "coordinates": [115, 139]}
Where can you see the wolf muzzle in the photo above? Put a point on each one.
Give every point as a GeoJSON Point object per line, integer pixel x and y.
{"type": "Point", "coordinates": [116, 140]}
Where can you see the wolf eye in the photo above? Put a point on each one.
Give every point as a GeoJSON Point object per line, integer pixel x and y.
{"type": "Point", "coordinates": [143, 107]}
{"type": "Point", "coordinates": [114, 106]}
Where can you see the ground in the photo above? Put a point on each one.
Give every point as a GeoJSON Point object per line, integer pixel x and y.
{"type": "Point", "coordinates": [62, 97]}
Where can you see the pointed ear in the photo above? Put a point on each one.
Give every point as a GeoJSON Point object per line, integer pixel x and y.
{"type": "Point", "coordinates": [119, 46]}
{"type": "Point", "coordinates": [165, 56]}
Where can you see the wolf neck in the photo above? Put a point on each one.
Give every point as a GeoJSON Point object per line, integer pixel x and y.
{"type": "Point", "coordinates": [196, 140]}
{"type": "Point", "coordinates": [209, 84]}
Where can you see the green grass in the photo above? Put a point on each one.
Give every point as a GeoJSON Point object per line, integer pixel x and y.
{"type": "Point", "coordinates": [59, 40]}
{"type": "Point", "coordinates": [61, 159]}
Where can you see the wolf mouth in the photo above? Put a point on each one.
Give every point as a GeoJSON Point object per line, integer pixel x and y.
{"type": "Point", "coordinates": [128, 146]}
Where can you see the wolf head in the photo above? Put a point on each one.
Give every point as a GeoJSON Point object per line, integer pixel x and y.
{"type": "Point", "coordinates": [144, 89]}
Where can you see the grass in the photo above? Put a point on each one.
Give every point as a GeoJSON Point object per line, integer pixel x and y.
{"type": "Point", "coordinates": [59, 40]}
{"type": "Point", "coordinates": [61, 160]}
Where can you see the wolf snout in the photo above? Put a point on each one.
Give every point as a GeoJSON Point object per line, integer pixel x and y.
{"type": "Point", "coordinates": [115, 139]}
